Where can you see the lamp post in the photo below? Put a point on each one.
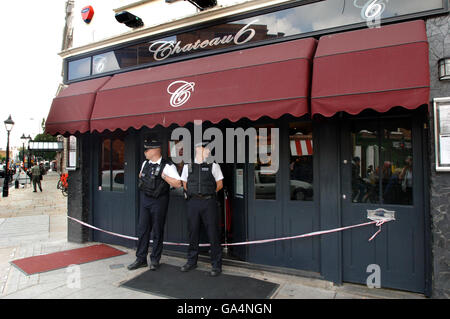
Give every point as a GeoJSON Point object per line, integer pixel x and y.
{"type": "Point", "coordinates": [9, 123]}
{"type": "Point", "coordinates": [23, 138]}
{"type": "Point", "coordinates": [29, 153]}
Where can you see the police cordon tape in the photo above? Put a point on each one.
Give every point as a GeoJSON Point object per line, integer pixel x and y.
{"type": "Point", "coordinates": [378, 223]}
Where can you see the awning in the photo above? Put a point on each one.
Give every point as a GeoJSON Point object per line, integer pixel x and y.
{"type": "Point", "coordinates": [266, 81]}
{"type": "Point", "coordinates": [377, 68]}
{"type": "Point", "coordinates": [71, 109]}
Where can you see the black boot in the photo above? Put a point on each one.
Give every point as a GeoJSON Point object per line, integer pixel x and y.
{"type": "Point", "coordinates": [188, 267]}
{"type": "Point", "coordinates": [137, 264]}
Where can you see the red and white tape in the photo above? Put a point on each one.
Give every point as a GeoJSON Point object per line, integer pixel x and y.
{"type": "Point", "coordinates": [262, 241]}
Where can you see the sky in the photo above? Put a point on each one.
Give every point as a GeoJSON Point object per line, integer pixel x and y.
{"type": "Point", "coordinates": [30, 67]}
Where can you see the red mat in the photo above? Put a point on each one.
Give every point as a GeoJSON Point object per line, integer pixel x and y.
{"type": "Point", "coordinates": [43, 263]}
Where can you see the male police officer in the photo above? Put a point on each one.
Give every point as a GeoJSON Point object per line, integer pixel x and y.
{"type": "Point", "coordinates": [156, 177]}
{"type": "Point", "coordinates": [202, 181]}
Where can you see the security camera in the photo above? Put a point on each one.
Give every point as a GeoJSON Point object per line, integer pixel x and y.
{"type": "Point", "coordinates": [129, 19]}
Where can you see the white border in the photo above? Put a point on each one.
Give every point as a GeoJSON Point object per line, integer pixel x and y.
{"type": "Point", "coordinates": [436, 102]}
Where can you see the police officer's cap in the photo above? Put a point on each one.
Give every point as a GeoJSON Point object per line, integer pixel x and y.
{"type": "Point", "coordinates": [149, 144]}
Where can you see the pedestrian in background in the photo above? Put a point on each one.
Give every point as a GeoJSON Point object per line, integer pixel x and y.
{"type": "Point", "coordinates": [36, 177]}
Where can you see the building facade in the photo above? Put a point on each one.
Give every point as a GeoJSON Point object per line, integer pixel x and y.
{"type": "Point", "coordinates": [337, 95]}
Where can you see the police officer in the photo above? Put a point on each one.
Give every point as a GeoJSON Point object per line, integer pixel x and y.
{"type": "Point", "coordinates": [201, 181]}
{"type": "Point", "coordinates": [155, 178]}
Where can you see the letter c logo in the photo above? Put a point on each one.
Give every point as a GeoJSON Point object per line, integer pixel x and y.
{"type": "Point", "coordinates": [180, 92]}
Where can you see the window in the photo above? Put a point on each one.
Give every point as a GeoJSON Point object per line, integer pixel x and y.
{"type": "Point", "coordinates": [301, 161]}
{"type": "Point", "coordinates": [79, 69]}
{"type": "Point", "coordinates": [295, 21]}
{"type": "Point", "coordinates": [265, 174]}
{"type": "Point", "coordinates": [112, 165]}
{"type": "Point", "coordinates": [382, 163]}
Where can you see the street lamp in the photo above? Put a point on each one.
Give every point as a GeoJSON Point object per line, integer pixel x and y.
{"type": "Point", "coordinates": [24, 139]}
{"type": "Point", "coordinates": [29, 153]}
{"type": "Point", "coordinates": [9, 123]}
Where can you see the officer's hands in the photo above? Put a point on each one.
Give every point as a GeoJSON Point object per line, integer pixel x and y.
{"type": "Point", "coordinates": [171, 181]}
{"type": "Point", "coordinates": [219, 185]}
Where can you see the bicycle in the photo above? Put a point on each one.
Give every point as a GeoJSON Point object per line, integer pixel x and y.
{"type": "Point", "coordinates": [63, 184]}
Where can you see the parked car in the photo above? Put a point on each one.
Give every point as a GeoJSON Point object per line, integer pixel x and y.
{"type": "Point", "coordinates": [265, 187]}
{"type": "Point", "coordinates": [118, 180]}
{"type": "Point", "coordinates": [2, 170]}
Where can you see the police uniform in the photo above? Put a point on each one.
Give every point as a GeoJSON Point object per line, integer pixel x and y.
{"type": "Point", "coordinates": [201, 179]}
{"type": "Point", "coordinates": [154, 200]}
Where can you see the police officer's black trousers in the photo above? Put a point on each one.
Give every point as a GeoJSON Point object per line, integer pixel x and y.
{"type": "Point", "coordinates": [152, 217]}
{"type": "Point", "coordinates": [204, 210]}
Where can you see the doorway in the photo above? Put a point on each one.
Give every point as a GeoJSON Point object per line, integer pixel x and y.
{"type": "Point", "coordinates": [114, 190]}
{"type": "Point", "coordinates": [381, 167]}
{"type": "Point", "coordinates": [283, 202]}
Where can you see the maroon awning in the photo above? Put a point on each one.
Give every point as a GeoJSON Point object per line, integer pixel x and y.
{"type": "Point", "coordinates": [266, 81]}
{"type": "Point", "coordinates": [71, 109]}
{"type": "Point", "coordinates": [377, 68]}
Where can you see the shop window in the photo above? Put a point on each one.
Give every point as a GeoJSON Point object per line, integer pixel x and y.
{"type": "Point", "coordinates": [265, 176]}
{"type": "Point", "coordinates": [301, 161]}
{"type": "Point", "coordinates": [382, 163]}
{"type": "Point", "coordinates": [112, 165]}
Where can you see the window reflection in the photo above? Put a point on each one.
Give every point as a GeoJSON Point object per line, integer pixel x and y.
{"type": "Point", "coordinates": [112, 165]}
{"type": "Point", "coordinates": [301, 161]}
{"type": "Point", "coordinates": [382, 165]}
{"type": "Point", "coordinates": [104, 63]}
{"type": "Point", "coordinates": [265, 178]}
{"type": "Point", "coordinates": [105, 165]}
{"type": "Point", "coordinates": [396, 150]}
{"type": "Point", "coordinates": [365, 164]}
{"type": "Point", "coordinates": [79, 68]}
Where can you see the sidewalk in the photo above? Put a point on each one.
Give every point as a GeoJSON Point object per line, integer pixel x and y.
{"type": "Point", "coordinates": [35, 223]}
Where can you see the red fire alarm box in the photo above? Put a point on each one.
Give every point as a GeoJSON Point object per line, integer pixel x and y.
{"type": "Point", "coordinates": [87, 13]}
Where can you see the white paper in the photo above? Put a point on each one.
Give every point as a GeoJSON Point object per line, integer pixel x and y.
{"type": "Point", "coordinates": [444, 119]}
{"type": "Point", "coordinates": [72, 159]}
{"type": "Point", "coordinates": [444, 148]}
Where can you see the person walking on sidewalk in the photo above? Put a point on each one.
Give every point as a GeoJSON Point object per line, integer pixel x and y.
{"type": "Point", "coordinates": [36, 177]}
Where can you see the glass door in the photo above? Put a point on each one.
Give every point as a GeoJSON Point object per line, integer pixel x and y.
{"type": "Point", "coordinates": [264, 192]}
{"type": "Point", "coordinates": [382, 168]}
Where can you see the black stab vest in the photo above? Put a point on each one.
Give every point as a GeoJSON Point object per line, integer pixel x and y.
{"type": "Point", "coordinates": [151, 182]}
{"type": "Point", "coordinates": [200, 179]}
